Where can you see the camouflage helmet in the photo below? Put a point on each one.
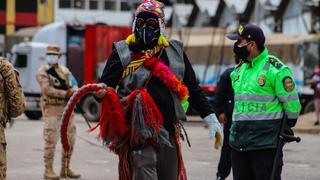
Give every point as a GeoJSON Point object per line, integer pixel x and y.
{"type": "Point", "coordinates": [53, 49]}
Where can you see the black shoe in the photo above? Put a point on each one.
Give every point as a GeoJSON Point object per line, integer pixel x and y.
{"type": "Point", "coordinates": [219, 178]}
{"type": "Point", "coordinates": [316, 123]}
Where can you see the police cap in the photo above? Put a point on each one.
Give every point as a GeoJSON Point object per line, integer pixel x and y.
{"type": "Point", "coordinates": [249, 32]}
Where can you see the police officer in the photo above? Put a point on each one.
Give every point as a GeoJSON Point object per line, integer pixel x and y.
{"type": "Point", "coordinates": [224, 106]}
{"type": "Point", "coordinates": [57, 86]}
{"type": "Point", "coordinates": [265, 92]}
{"type": "Point", "coordinates": [12, 104]}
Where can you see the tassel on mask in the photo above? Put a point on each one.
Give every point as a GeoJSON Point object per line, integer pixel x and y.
{"type": "Point", "coordinates": [131, 39]}
{"type": "Point", "coordinates": [162, 41]}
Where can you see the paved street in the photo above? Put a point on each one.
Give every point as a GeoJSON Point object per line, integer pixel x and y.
{"type": "Point", "coordinates": [95, 162]}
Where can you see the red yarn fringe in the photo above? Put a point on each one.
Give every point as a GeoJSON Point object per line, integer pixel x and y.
{"type": "Point", "coordinates": [152, 114]}
{"type": "Point", "coordinates": [112, 118]}
{"type": "Point", "coordinates": [182, 173]}
{"type": "Point", "coordinates": [123, 167]}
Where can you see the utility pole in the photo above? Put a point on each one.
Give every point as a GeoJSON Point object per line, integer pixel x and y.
{"type": "Point", "coordinates": [256, 12]}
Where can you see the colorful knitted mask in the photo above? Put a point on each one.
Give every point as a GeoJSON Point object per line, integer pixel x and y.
{"type": "Point", "coordinates": [147, 29]}
{"type": "Point", "coordinates": [140, 34]}
{"type": "Point", "coordinates": [153, 7]}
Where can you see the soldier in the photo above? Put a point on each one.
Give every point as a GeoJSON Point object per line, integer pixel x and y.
{"type": "Point", "coordinates": [57, 86]}
{"type": "Point", "coordinates": [12, 103]}
{"type": "Point", "coordinates": [264, 93]}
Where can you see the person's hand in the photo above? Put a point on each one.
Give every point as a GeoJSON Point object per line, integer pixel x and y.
{"type": "Point", "coordinates": [69, 94]}
{"type": "Point", "coordinates": [215, 130]}
{"type": "Point", "coordinates": [222, 118]}
{"type": "Point", "coordinates": [101, 93]}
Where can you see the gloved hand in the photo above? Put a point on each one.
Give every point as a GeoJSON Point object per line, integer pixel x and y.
{"type": "Point", "coordinates": [215, 129]}
{"type": "Point", "coordinates": [69, 94]}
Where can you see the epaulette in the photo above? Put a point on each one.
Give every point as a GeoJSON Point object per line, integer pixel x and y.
{"type": "Point", "coordinates": [276, 63]}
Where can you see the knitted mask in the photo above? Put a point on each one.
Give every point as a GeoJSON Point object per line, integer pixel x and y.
{"type": "Point", "coordinates": [149, 23]}
{"type": "Point", "coordinates": [147, 29]}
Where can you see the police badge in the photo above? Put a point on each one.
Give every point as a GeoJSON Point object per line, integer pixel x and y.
{"type": "Point", "coordinates": [288, 84]}
{"type": "Point", "coordinates": [261, 80]}
{"type": "Point", "coordinates": [236, 78]}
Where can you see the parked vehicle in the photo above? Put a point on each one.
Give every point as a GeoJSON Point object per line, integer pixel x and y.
{"type": "Point", "coordinates": [84, 52]}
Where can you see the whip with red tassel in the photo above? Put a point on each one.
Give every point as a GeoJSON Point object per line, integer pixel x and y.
{"type": "Point", "coordinates": [89, 88]}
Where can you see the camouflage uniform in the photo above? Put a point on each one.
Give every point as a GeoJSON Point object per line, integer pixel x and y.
{"type": "Point", "coordinates": [12, 103]}
{"type": "Point", "coordinates": [54, 99]}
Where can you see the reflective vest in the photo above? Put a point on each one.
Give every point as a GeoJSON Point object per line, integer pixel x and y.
{"type": "Point", "coordinates": [264, 91]}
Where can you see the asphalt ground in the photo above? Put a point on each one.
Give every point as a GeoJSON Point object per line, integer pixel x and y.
{"type": "Point", "coordinates": [95, 162]}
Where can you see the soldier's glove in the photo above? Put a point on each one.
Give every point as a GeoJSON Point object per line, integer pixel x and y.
{"type": "Point", "coordinates": [215, 129]}
{"type": "Point", "coordinates": [69, 94]}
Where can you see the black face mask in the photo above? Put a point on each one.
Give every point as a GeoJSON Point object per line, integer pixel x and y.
{"type": "Point", "coordinates": [241, 52]}
{"type": "Point", "coordinates": [147, 35]}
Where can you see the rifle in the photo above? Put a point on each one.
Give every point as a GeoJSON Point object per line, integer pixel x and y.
{"type": "Point", "coordinates": [283, 139]}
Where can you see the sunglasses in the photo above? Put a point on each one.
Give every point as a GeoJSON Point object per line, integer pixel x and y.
{"type": "Point", "coordinates": [152, 22]}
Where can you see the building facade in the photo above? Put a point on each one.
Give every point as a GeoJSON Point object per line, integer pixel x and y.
{"type": "Point", "coordinates": [17, 14]}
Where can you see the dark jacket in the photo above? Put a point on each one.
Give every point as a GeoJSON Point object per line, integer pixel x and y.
{"type": "Point", "coordinates": [224, 96]}
{"type": "Point", "coordinates": [158, 91]}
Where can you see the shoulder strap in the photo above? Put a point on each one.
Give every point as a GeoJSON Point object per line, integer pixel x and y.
{"type": "Point", "coordinates": [276, 63]}
{"type": "Point", "coordinates": [63, 84]}
{"type": "Point", "coordinates": [175, 50]}
{"type": "Point", "coordinates": [123, 52]}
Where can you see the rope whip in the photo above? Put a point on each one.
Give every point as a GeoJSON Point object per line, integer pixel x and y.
{"type": "Point", "coordinates": [89, 88]}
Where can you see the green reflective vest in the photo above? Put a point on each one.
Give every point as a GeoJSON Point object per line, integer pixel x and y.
{"type": "Point", "coordinates": [264, 90]}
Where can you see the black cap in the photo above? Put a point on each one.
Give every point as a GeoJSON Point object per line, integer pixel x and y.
{"type": "Point", "coordinates": [249, 32]}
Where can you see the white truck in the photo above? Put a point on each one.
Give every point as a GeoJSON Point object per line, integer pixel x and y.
{"type": "Point", "coordinates": [84, 51]}
{"type": "Point", "coordinates": [27, 58]}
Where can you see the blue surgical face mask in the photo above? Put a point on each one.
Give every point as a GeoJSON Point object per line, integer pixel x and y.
{"type": "Point", "coordinates": [52, 59]}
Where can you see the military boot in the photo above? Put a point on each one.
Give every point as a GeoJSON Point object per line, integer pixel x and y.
{"type": "Point", "coordinates": [66, 172]}
{"type": "Point", "coordinates": [48, 172]}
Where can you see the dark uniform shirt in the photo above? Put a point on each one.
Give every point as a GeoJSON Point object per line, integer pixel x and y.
{"type": "Point", "coordinates": [224, 97]}
{"type": "Point", "coordinates": [159, 92]}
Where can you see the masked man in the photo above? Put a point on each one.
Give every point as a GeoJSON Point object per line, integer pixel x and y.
{"type": "Point", "coordinates": [57, 86]}
{"type": "Point", "coordinates": [147, 61]}
{"type": "Point", "coordinates": [12, 104]}
{"type": "Point", "coordinates": [264, 92]}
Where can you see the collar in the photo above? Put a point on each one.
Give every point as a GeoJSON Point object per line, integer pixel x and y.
{"type": "Point", "coordinates": [255, 61]}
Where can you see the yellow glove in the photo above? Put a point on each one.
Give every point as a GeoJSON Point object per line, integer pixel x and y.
{"type": "Point", "coordinates": [218, 140]}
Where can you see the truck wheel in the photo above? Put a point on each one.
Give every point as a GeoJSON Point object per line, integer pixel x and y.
{"type": "Point", "coordinates": [309, 107]}
{"type": "Point", "coordinates": [91, 108]}
{"type": "Point", "coordinates": [33, 115]}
